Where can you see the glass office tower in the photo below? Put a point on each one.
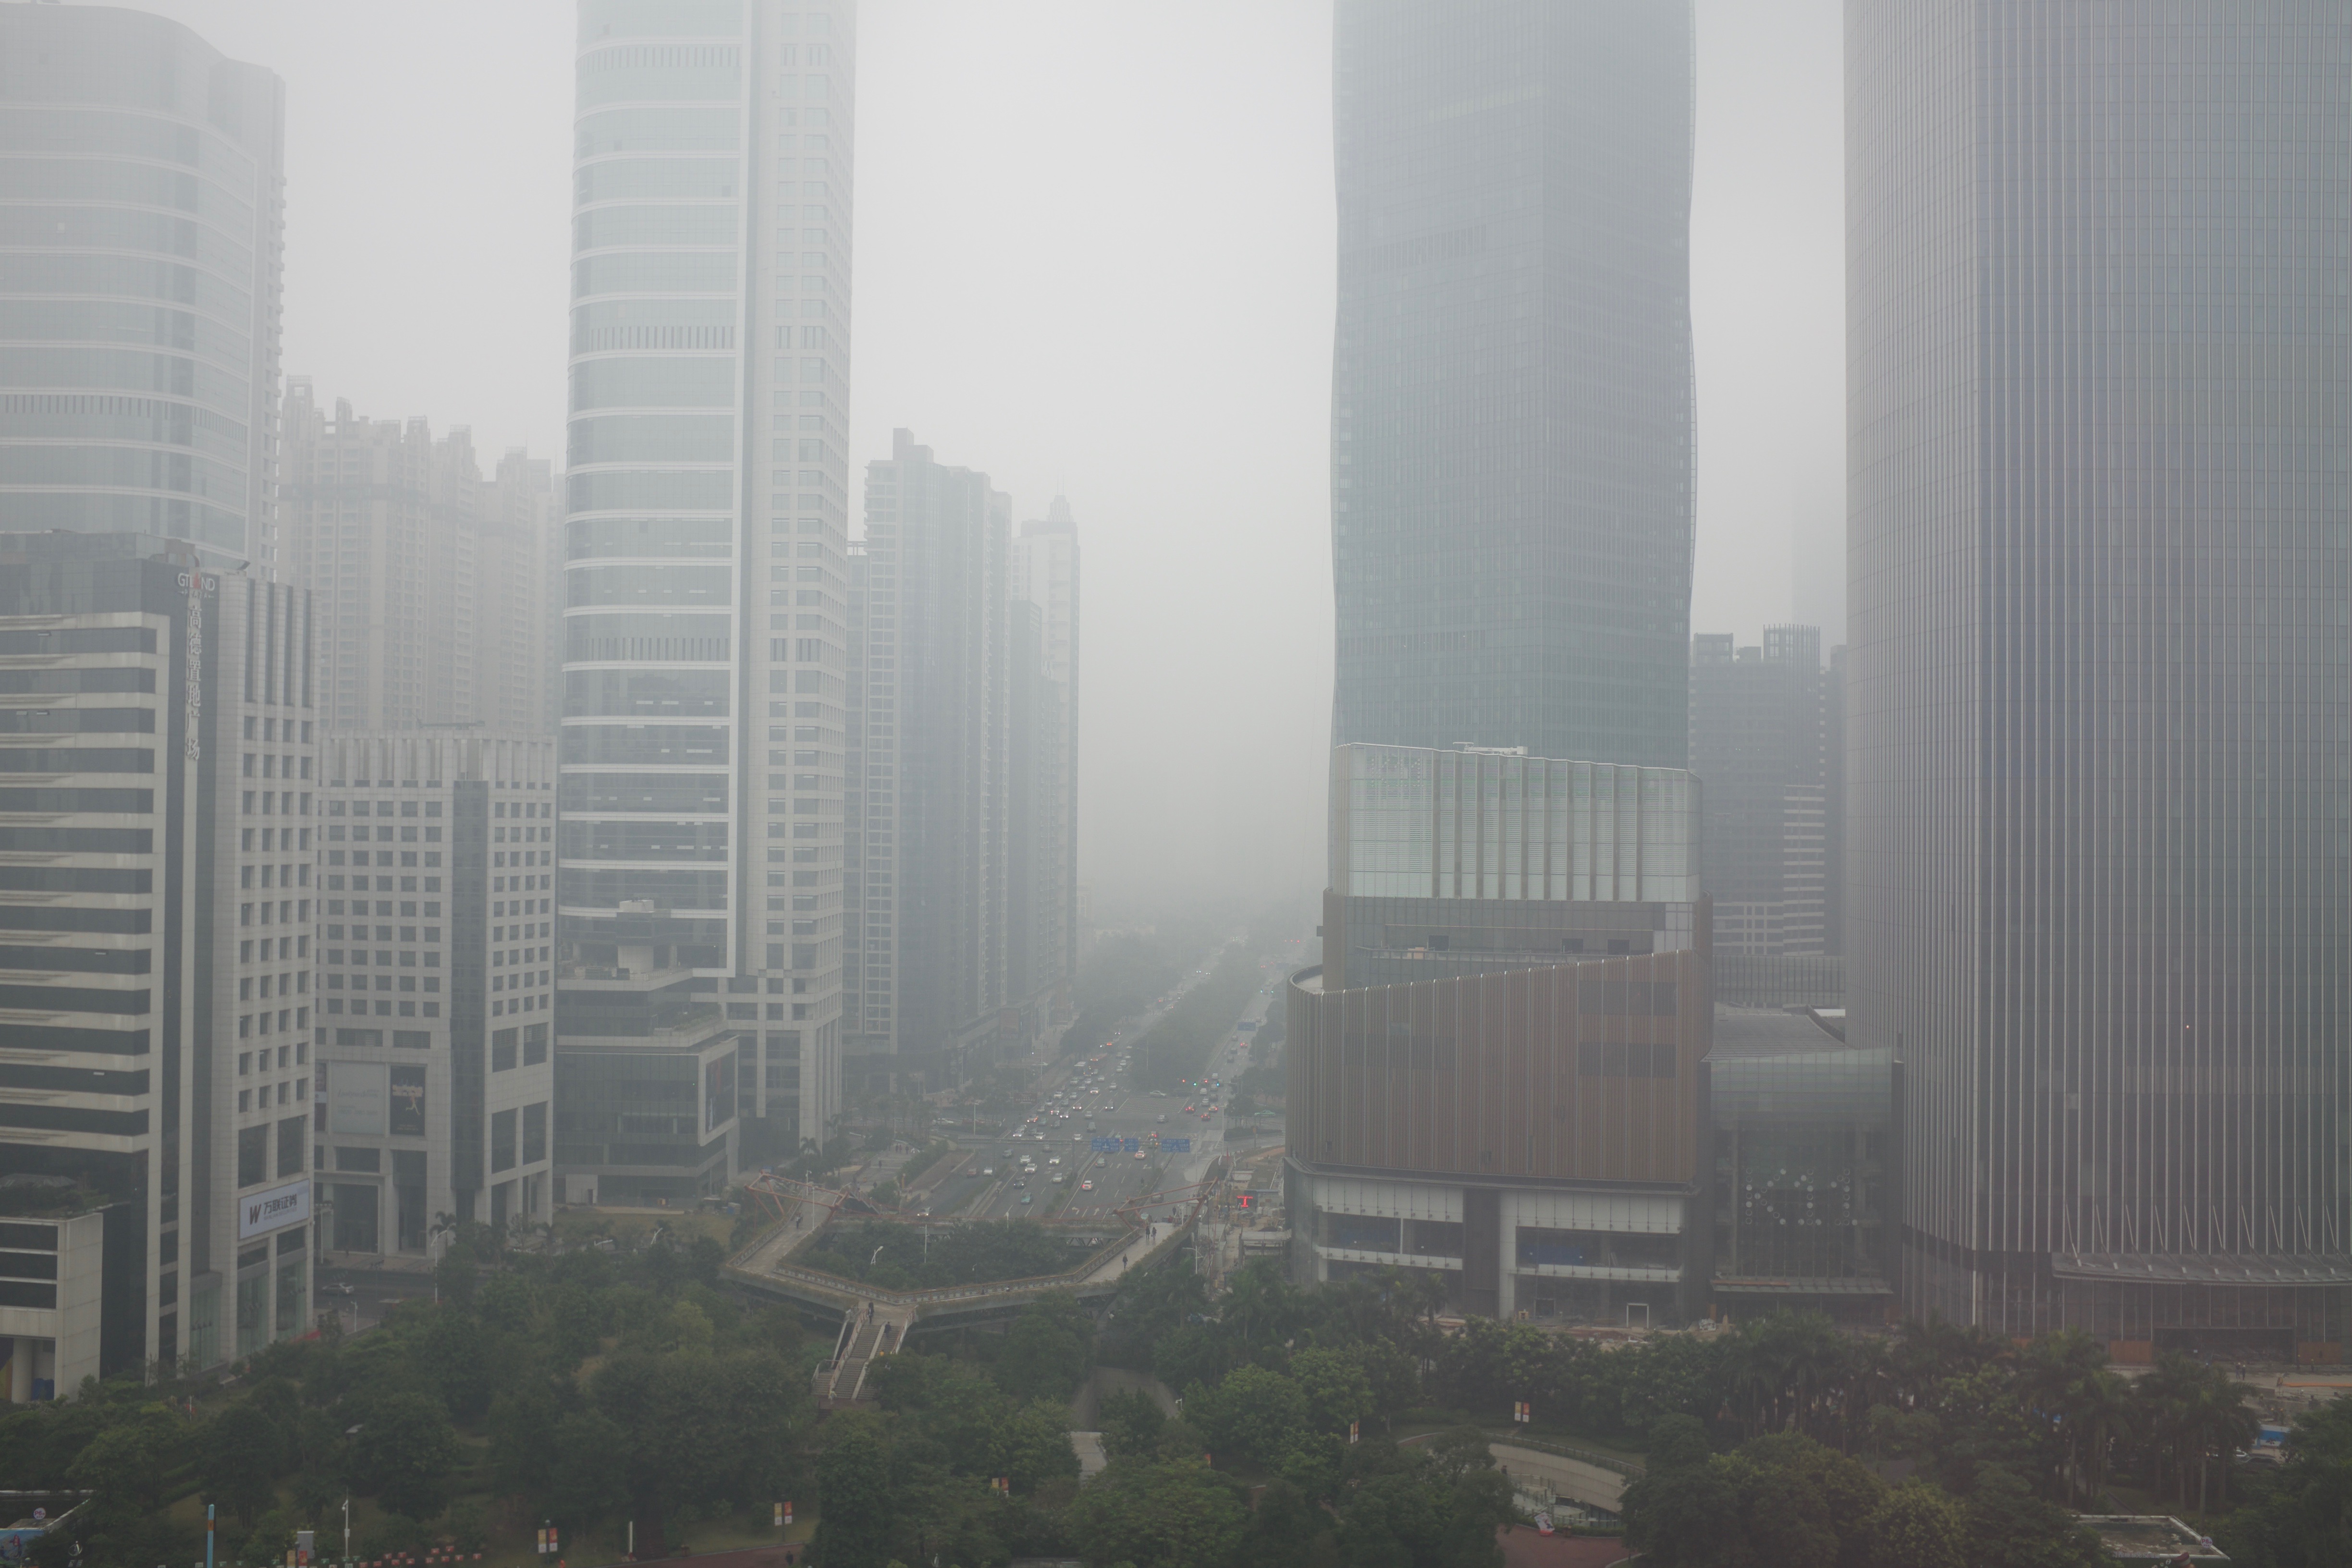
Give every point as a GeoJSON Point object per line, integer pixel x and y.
{"type": "Point", "coordinates": [141, 221]}
{"type": "Point", "coordinates": [1511, 380]}
{"type": "Point", "coordinates": [706, 532]}
{"type": "Point", "coordinates": [2099, 572]}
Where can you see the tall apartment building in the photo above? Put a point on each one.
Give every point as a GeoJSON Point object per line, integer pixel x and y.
{"type": "Point", "coordinates": [1511, 376]}
{"type": "Point", "coordinates": [435, 1018]}
{"type": "Point", "coordinates": [1765, 733]}
{"type": "Point", "coordinates": [431, 581]}
{"type": "Point", "coordinates": [964, 737]}
{"type": "Point", "coordinates": [2101, 872]}
{"type": "Point", "coordinates": [705, 549]}
{"type": "Point", "coordinates": [1046, 573]}
{"type": "Point", "coordinates": [142, 201]}
{"type": "Point", "coordinates": [933, 827]}
{"type": "Point", "coordinates": [156, 903]}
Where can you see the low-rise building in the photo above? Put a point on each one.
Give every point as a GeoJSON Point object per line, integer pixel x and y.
{"type": "Point", "coordinates": [1497, 1071]}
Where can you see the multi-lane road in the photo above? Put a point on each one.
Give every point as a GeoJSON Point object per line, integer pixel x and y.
{"type": "Point", "coordinates": [1079, 1101]}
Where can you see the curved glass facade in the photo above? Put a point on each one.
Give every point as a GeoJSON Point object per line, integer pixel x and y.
{"type": "Point", "coordinates": [140, 220]}
{"type": "Point", "coordinates": [709, 460]}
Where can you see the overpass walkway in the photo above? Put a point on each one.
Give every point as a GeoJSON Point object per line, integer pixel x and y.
{"type": "Point", "coordinates": [876, 1321]}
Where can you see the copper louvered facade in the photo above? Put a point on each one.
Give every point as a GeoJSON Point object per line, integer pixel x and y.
{"type": "Point", "coordinates": [1584, 1072]}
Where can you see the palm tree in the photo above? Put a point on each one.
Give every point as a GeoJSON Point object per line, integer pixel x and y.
{"type": "Point", "coordinates": [2051, 1377]}
{"type": "Point", "coordinates": [2216, 1417]}
{"type": "Point", "coordinates": [2100, 1413]}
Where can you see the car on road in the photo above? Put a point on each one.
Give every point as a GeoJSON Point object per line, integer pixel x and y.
{"type": "Point", "coordinates": [338, 1287]}
{"type": "Point", "coordinates": [988, 1170]}
{"type": "Point", "coordinates": [1028, 1198]}
{"type": "Point", "coordinates": [1085, 1187]}
{"type": "Point", "coordinates": [1138, 1153]}
{"type": "Point", "coordinates": [1163, 1118]}
{"type": "Point", "coordinates": [1019, 1182]}
{"type": "Point", "coordinates": [1052, 1159]}
{"type": "Point", "coordinates": [1204, 1116]}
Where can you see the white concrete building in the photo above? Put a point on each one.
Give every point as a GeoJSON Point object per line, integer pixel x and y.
{"type": "Point", "coordinates": [435, 1032]}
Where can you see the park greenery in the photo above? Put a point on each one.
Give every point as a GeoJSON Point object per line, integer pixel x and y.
{"type": "Point", "coordinates": [1348, 1424]}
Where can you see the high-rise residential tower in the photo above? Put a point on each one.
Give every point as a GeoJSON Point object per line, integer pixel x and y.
{"type": "Point", "coordinates": [141, 222]}
{"type": "Point", "coordinates": [963, 733]}
{"type": "Point", "coordinates": [937, 687]}
{"type": "Point", "coordinates": [157, 790]}
{"type": "Point", "coordinates": [1046, 573]}
{"type": "Point", "coordinates": [704, 539]}
{"type": "Point", "coordinates": [2101, 888]}
{"type": "Point", "coordinates": [1511, 379]}
{"type": "Point", "coordinates": [431, 581]}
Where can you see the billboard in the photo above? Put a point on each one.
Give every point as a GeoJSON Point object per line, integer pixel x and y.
{"type": "Point", "coordinates": [407, 1101]}
{"type": "Point", "coordinates": [274, 1209]}
{"type": "Point", "coordinates": [358, 1098]}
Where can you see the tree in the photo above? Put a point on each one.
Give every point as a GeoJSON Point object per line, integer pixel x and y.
{"type": "Point", "coordinates": [1034, 1445]}
{"type": "Point", "coordinates": [1174, 1514]}
{"type": "Point", "coordinates": [2307, 1522]}
{"type": "Point", "coordinates": [404, 1454]}
{"type": "Point", "coordinates": [1338, 1393]}
{"type": "Point", "coordinates": [855, 1506]}
{"type": "Point", "coordinates": [240, 1455]}
{"type": "Point", "coordinates": [1131, 1423]}
{"type": "Point", "coordinates": [587, 1478]}
{"type": "Point", "coordinates": [1677, 1443]}
{"type": "Point", "coordinates": [2008, 1524]}
{"type": "Point", "coordinates": [1253, 1414]}
{"type": "Point", "coordinates": [1045, 1350]}
{"type": "Point", "coordinates": [1414, 1509]}
{"type": "Point", "coordinates": [1917, 1527]}
{"type": "Point", "coordinates": [125, 1465]}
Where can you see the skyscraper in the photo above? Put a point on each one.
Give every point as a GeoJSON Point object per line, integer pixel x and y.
{"type": "Point", "coordinates": [141, 223]}
{"type": "Point", "coordinates": [706, 532]}
{"type": "Point", "coordinates": [1511, 379]}
{"type": "Point", "coordinates": [1766, 736]}
{"type": "Point", "coordinates": [431, 581]}
{"type": "Point", "coordinates": [2101, 890]}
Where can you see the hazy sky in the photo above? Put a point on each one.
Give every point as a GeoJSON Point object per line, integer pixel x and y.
{"type": "Point", "coordinates": [1093, 255]}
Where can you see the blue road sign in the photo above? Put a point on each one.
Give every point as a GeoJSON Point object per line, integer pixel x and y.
{"type": "Point", "coordinates": [1104, 1145]}
{"type": "Point", "coordinates": [1130, 1145]}
{"type": "Point", "coordinates": [1176, 1145]}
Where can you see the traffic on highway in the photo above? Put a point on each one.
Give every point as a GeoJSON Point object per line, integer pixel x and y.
{"type": "Point", "coordinates": [1092, 1141]}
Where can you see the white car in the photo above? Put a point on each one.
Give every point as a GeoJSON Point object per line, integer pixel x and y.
{"type": "Point", "coordinates": [1052, 1159]}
